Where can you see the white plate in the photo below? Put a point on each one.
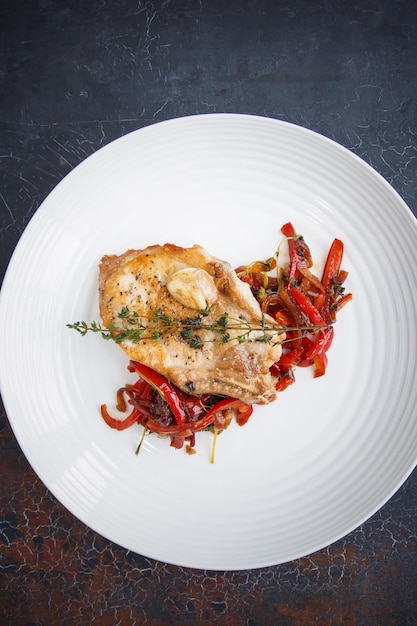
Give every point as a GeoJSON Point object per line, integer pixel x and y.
{"type": "Point", "coordinates": [305, 470]}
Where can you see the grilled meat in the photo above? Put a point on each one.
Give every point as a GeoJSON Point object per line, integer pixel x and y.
{"type": "Point", "coordinates": [178, 283]}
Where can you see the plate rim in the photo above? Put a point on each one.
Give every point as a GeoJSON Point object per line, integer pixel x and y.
{"type": "Point", "coordinates": [38, 216]}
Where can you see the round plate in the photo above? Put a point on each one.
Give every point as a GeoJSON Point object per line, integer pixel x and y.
{"type": "Point", "coordinates": [306, 469]}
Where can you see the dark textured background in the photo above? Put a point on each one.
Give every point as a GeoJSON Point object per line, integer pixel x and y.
{"type": "Point", "coordinates": [74, 76]}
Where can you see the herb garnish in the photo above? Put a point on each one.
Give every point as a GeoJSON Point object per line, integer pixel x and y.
{"type": "Point", "coordinates": [134, 328]}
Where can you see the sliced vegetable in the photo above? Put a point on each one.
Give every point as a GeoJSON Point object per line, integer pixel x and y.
{"type": "Point", "coordinates": [332, 265]}
{"type": "Point", "coordinates": [163, 387]}
{"type": "Point", "coordinates": [307, 307]}
{"type": "Point", "coordinates": [135, 417]}
{"type": "Point", "coordinates": [189, 414]}
{"type": "Point", "coordinates": [322, 343]}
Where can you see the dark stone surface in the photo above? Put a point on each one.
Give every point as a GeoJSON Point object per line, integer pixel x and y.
{"type": "Point", "coordinates": [76, 75]}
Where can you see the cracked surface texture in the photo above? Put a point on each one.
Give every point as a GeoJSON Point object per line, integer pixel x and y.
{"type": "Point", "coordinates": [76, 76]}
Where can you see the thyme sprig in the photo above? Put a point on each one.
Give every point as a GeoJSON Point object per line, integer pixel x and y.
{"type": "Point", "coordinates": [135, 328]}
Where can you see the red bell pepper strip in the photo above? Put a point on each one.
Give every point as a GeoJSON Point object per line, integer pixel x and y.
{"type": "Point", "coordinates": [135, 417]}
{"type": "Point", "coordinates": [321, 344]}
{"type": "Point", "coordinates": [307, 344]}
{"type": "Point", "coordinates": [193, 405]}
{"type": "Point", "coordinates": [175, 429]}
{"type": "Point", "coordinates": [166, 391]}
{"type": "Point", "coordinates": [178, 442]}
{"type": "Point", "coordinates": [343, 300]}
{"type": "Point", "coordinates": [283, 370]}
{"type": "Point", "coordinates": [282, 318]}
{"type": "Point", "coordinates": [295, 262]}
{"type": "Point", "coordinates": [291, 358]}
{"type": "Point", "coordinates": [332, 279]}
{"type": "Point", "coordinates": [222, 405]}
{"type": "Point", "coordinates": [243, 413]}
{"type": "Point", "coordinates": [320, 364]}
{"type": "Point", "coordinates": [297, 247]}
{"type": "Point", "coordinates": [319, 302]}
{"type": "Point", "coordinates": [289, 231]}
{"type": "Point", "coordinates": [332, 265]}
{"type": "Point", "coordinates": [307, 307]}
{"type": "Point", "coordinates": [341, 277]}
{"type": "Point", "coordinates": [286, 379]}
{"type": "Point", "coordinates": [298, 318]}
